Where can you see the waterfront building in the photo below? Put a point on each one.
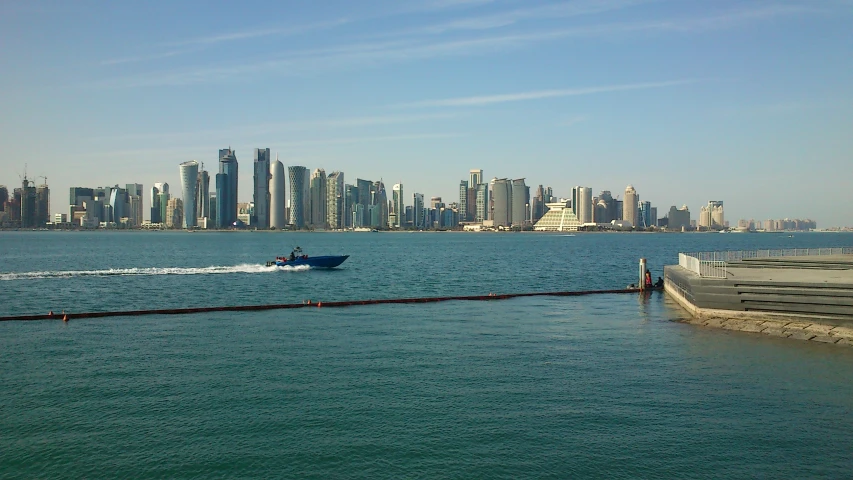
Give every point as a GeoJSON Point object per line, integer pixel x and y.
{"type": "Point", "coordinates": [481, 212]}
{"type": "Point", "coordinates": [277, 196]}
{"type": "Point", "coordinates": [118, 200]}
{"type": "Point", "coordinates": [629, 205]}
{"type": "Point", "coordinates": [501, 213]}
{"type": "Point", "coordinates": [678, 219]}
{"type": "Point", "coordinates": [212, 210]}
{"type": "Point", "coordinates": [582, 204]}
{"type": "Point", "coordinates": [189, 182]}
{"type": "Point", "coordinates": [202, 194]}
{"type": "Point", "coordinates": [42, 212]}
{"type": "Point", "coordinates": [158, 212]}
{"type": "Point", "coordinates": [559, 218]}
{"type": "Point", "coordinates": [711, 216]}
{"type": "Point", "coordinates": [520, 201]}
{"type": "Point", "coordinates": [134, 203]}
{"type": "Point", "coordinates": [463, 197]}
{"type": "Point", "coordinates": [537, 204]}
{"type": "Point", "coordinates": [418, 210]}
{"type": "Point", "coordinates": [226, 188]}
{"type": "Point", "coordinates": [399, 205]}
{"type": "Point", "coordinates": [350, 201]}
{"type": "Point", "coordinates": [77, 197]}
{"type": "Point", "coordinates": [174, 213]}
{"type": "Point", "coordinates": [299, 195]}
{"type": "Point", "coordinates": [379, 202]}
{"type": "Point", "coordinates": [335, 201]}
{"type": "Point", "coordinates": [261, 189]}
{"type": "Point", "coordinates": [163, 200]}
{"type": "Point", "coordinates": [318, 198]}
{"type": "Point", "coordinates": [645, 215]}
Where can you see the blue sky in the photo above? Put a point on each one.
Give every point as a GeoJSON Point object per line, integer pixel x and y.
{"type": "Point", "coordinates": [749, 102]}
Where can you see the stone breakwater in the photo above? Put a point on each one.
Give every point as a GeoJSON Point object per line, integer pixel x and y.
{"type": "Point", "coordinates": [786, 328]}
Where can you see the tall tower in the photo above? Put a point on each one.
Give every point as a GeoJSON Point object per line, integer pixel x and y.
{"type": "Point", "coordinates": [277, 196]}
{"type": "Point", "coordinates": [399, 205]}
{"type": "Point", "coordinates": [629, 205]}
{"type": "Point", "coordinates": [298, 179]}
{"type": "Point", "coordinates": [463, 201]}
{"type": "Point", "coordinates": [582, 204]}
{"type": "Point", "coordinates": [318, 201]}
{"type": "Point", "coordinates": [202, 194]}
{"type": "Point", "coordinates": [520, 202]}
{"type": "Point", "coordinates": [418, 210]}
{"type": "Point", "coordinates": [502, 199]}
{"type": "Point", "coordinates": [189, 182]}
{"type": "Point", "coordinates": [261, 195]}
{"type": "Point", "coordinates": [335, 211]}
{"type": "Point", "coordinates": [481, 210]}
{"type": "Point", "coordinates": [226, 188]}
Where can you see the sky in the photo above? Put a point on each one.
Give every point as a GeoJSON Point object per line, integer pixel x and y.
{"type": "Point", "coordinates": [749, 102]}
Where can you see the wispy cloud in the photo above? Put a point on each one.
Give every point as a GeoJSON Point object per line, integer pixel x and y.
{"type": "Point", "coordinates": [200, 43]}
{"type": "Point", "coordinates": [261, 32]}
{"type": "Point", "coordinates": [482, 100]}
{"type": "Point", "coordinates": [503, 19]}
{"type": "Point", "coordinates": [146, 58]}
{"type": "Point", "coordinates": [359, 55]}
{"type": "Point", "coordinates": [369, 139]}
{"type": "Point", "coordinates": [283, 128]}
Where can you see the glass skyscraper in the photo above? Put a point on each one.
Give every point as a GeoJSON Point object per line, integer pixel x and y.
{"type": "Point", "coordinates": [299, 196]}
{"type": "Point", "coordinates": [189, 183]}
{"type": "Point", "coordinates": [261, 194]}
{"type": "Point", "coordinates": [226, 188]}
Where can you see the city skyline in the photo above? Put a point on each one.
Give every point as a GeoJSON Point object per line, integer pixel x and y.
{"type": "Point", "coordinates": [688, 101]}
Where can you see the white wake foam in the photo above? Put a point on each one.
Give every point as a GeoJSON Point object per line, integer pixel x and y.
{"type": "Point", "coordinates": [244, 268]}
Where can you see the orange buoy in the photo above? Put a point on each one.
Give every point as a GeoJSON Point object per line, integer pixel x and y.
{"type": "Point", "coordinates": [319, 304]}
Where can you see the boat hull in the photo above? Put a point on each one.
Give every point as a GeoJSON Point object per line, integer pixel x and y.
{"type": "Point", "coordinates": [327, 261]}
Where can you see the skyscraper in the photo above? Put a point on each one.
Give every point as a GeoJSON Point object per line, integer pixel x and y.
{"type": "Point", "coordinates": [335, 201]}
{"type": "Point", "coordinates": [582, 204]}
{"type": "Point", "coordinates": [502, 202]}
{"type": "Point", "coordinates": [226, 188]}
{"type": "Point", "coordinates": [42, 213]}
{"type": "Point", "coordinates": [712, 216]}
{"type": "Point", "coordinates": [463, 201]}
{"type": "Point", "coordinates": [189, 182]}
{"type": "Point", "coordinates": [399, 205]}
{"type": "Point", "coordinates": [134, 201]}
{"type": "Point", "coordinates": [481, 212]}
{"type": "Point", "coordinates": [520, 202]}
{"type": "Point", "coordinates": [379, 205]}
{"type": "Point", "coordinates": [629, 205]}
{"type": "Point", "coordinates": [202, 194]}
{"type": "Point", "coordinates": [278, 218]}
{"type": "Point", "coordinates": [418, 210]}
{"type": "Point", "coordinates": [261, 193]}
{"type": "Point", "coordinates": [298, 183]}
{"type": "Point", "coordinates": [319, 200]}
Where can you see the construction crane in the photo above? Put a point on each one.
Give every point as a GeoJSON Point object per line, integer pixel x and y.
{"type": "Point", "coordinates": [43, 177]}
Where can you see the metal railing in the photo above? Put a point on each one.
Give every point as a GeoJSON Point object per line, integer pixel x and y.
{"type": "Point", "coordinates": [715, 264]}
{"type": "Point", "coordinates": [703, 268]}
{"type": "Point", "coordinates": [770, 253]}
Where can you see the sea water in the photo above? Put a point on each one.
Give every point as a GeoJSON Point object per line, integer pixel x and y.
{"type": "Point", "coordinates": [602, 386]}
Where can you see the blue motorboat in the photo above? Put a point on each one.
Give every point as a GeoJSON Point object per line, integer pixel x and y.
{"type": "Point", "coordinates": [298, 258]}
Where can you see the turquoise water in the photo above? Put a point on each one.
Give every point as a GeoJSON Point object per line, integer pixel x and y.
{"type": "Point", "coordinates": [605, 386]}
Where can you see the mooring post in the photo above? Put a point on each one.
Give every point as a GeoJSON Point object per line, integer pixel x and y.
{"type": "Point", "coordinates": [642, 274]}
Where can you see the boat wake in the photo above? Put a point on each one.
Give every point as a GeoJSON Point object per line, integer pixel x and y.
{"type": "Point", "coordinates": [244, 268]}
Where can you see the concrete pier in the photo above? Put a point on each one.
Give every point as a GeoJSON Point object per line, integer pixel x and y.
{"type": "Point", "coordinates": [807, 297]}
